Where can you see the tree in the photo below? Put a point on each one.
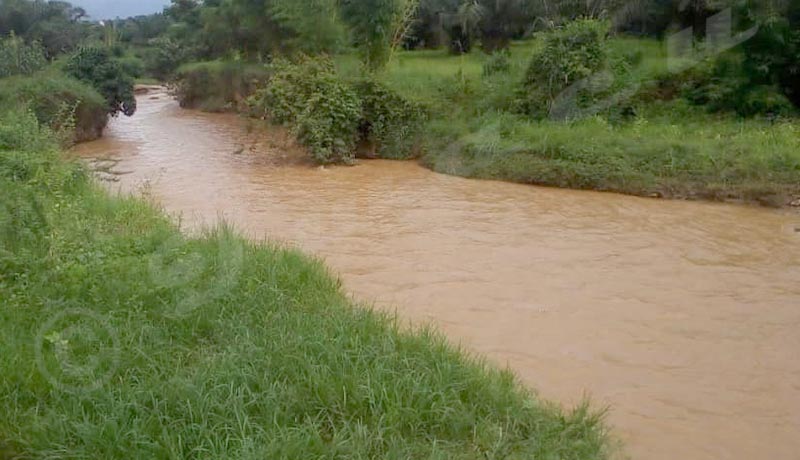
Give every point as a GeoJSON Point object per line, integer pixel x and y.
{"type": "Point", "coordinates": [19, 58]}
{"type": "Point", "coordinates": [773, 54]}
{"type": "Point", "coordinates": [371, 23]}
{"type": "Point", "coordinates": [429, 26]}
{"type": "Point", "coordinates": [314, 25]}
{"type": "Point", "coordinates": [56, 25]}
{"type": "Point", "coordinates": [140, 30]}
{"type": "Point", "coordinates": [502, 20]}
{"type": "Point", "coordinates": [97, 67]}
{"type": "Point", "coordinates": [460, 23]}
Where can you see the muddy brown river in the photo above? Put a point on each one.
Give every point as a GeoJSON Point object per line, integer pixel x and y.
{"type": "Point", "coordinates": [683, 318]}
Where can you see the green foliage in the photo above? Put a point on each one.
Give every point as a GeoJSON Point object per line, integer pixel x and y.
{"type": "Point", "coordinates": [57, 101]}
{"type": "Point", "coordinates": [21, 130]}
{"type": "Point", "coordinates": [284, 98]}
{"type": "Point", "coordinates": [20, 58]}
{"type": "Point", "coordinates": [314, 25]}
{"type": "Point", "coordinates": [724, 84]}
{"type": "Point", "coordinates": [499, 62]}
{"type": "Point", "coordinates": [132, 66]}
{"type": "Point", "coordinates": [164, 56]}
{"type": "Point", "coordinates": [140, 30]}
{"type": "Point", "coordinates": [470, 131]}
{"type": "Point", "coordinates": [372, 24]}
{"type": "Point", "coordinates": [502, 20]}
{"type": "Point", "coordinates": [570, 54]}
{"type": "Point", "coordinates": [680, 152]}
{"type": "Point", "coordinates": [765, 100]}
{"type": "Point", "coordinates": [58, 26]}
{"type": "Point", "coordinates": [97, 67]}
{"type": "Point", "coordinates": [391, 124]}
{"type": "Point", "coordinates": [460, 23]}
{"type": "Point", "coordinates": [218, 86]}
{"type": "Point", "coordinates": [331, 116]}
{"type": "Point", "coordinates": [328, 126]}
{"type": "Point", "coordinates": [321, 109]}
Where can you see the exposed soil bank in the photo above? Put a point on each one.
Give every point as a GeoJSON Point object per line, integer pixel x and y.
{"type": "Point", "coordinates": [681, 316]}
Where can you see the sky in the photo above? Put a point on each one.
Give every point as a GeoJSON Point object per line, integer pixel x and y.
{"type": "Point", "coordinates": [110, 9]}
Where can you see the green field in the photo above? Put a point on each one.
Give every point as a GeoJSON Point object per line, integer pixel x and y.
{"type": "Point", "coordinates": [122, 338]}
{"type": "Point", "coordinates": [668, 148]}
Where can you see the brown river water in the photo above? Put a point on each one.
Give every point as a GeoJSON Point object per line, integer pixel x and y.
{"type": "Point", "coordinates": [683, 318]}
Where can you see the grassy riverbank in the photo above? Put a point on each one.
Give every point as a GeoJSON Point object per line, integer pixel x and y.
{"type": "Point", "coordinates": [57, 99]}
{"type": "Point", "coordinates": [663, 148]}
{"type": "Point", "coordinates": [124, 339]}
{"type": "Point", "coordinates": [654, 144]}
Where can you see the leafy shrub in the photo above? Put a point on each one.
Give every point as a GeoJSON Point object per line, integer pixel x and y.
{"type": "Point", "coordinates": [329, 124]}
{"type": "Point", "coordinates": [773, 54]}
{"type": "Point", "coordinates": [163, 57]}
{"type": "Point", "coordinates": [132, 66]}
{"type": "Point", "coordinates": [20, 130]}
{"type": "Point", "coordinates": [570, 55]}
{"type": "Point", "coordinates": [767, 100]}
{"type": "Point", "coordinates": [389, 123]}
{"type": "Point", "coordinates": [315, 25]}
{"type": "Point", "coordinates": [218, 86]}
{"type": "Point", "coordinates": [58, 101]}
{"type": "Point", "coordinates": [331, 116]}
{"type": "Point", "coordinates": [321, 109]}
{"type": "Point", "coordinates": [726, 85]}
{"type": "Point", "coordinates": [499, 62]}
{"type": "Point", "coordinates": [291, 84]}
{"type": "Point", "coordinates": [97, 67]}
{"type": "Point", "coordinates": [460, 89]}
{"type": "Point", "coordinates": [19, 58]}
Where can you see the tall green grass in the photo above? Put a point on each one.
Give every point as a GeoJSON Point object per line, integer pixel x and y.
{"type": "Point", "coordinates": [58, 101]}
{"type": "Point", "coordinates": [122, 338]}
{"type": "Point", "coordinates": [662, 148]}
{"type": "Point", "coordinates": [700, 157]}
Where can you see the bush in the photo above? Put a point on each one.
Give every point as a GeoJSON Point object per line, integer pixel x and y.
{"type": "Point", "coordinates": [283, 99]}
{"type": "Point", "coordinates": [164, 56]}
{"type": "Point", "coordinates": [58, 101]}
{"type": "Point", "coordinates": [321, 109]}
{"type": "Point", "coordinates": [390, 124]}
{"type": "Point", "coordinates": [766, 100]}
{"type": "Point", "coordinates": [132, 66]}
{"type": "Point", "coordinates": [570, 55]}
{"type": "Point", "coordinates": [218, 86]}
{"type": "Point", "coordinates": [19, 58]}
{"type": "Point", "coordinates": [331, 116]}
{"type": "Point", "coordinates": [97, 67]}
{"type": "Point", "coordinates": [329, 124]}
{"type": "Point", "coordinates": [20, 130]}
{"type": "Point", "coordinates": [725, 85]}
{"type": "Point", "coordinates": [499, 62]}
